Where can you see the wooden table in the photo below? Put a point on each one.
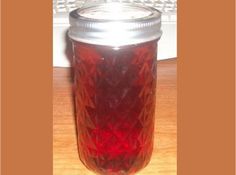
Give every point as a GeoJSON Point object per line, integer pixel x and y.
{"type": "Point", "coordinates": [65, 156]}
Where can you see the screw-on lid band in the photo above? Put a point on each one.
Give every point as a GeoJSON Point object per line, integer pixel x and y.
{"type": "Point", "coordinates": [115, 24]}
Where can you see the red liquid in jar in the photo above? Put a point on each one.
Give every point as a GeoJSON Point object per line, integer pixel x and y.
{"type": "Point", "coordinates": [115, 105]}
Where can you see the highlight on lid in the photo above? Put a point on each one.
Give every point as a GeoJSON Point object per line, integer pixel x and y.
{"type": "Point", "coordinates": [115, 24]}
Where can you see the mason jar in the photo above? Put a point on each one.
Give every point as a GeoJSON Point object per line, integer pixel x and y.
{"type": "Point", "coordinates": [115, 73]}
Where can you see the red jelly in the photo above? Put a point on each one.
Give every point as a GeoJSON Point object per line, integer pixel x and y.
{"type": "Point", "coordinates": [115, 100]}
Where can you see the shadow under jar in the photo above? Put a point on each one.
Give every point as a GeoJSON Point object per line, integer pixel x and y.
{"type": "Point", "coordinates": [115, 50]}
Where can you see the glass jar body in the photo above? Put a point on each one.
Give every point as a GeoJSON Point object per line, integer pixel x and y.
{"type": "Point", "coordinates": [115, 91]}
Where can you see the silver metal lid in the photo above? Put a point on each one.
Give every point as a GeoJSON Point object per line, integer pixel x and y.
{"type": "Point", "coordinates": [115, 24]}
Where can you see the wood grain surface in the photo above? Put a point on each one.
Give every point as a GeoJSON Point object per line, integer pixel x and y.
{"type": "Point", "coordinates": [65, 156]}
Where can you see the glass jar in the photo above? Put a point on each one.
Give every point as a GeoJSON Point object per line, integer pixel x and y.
{"type": "Point", "coordinates": [115, 50]}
